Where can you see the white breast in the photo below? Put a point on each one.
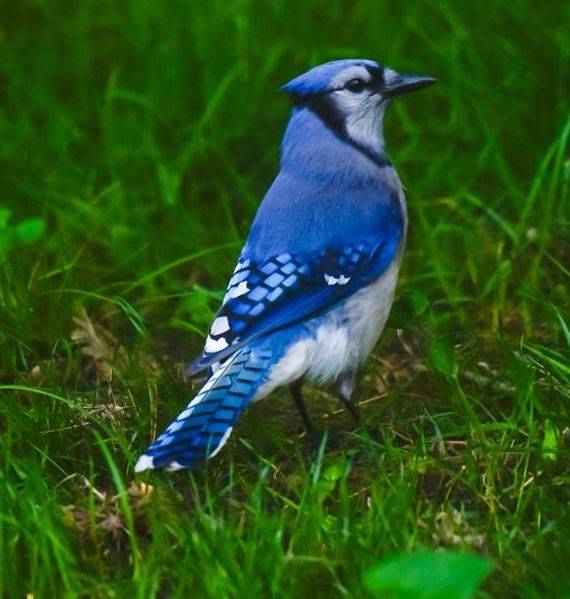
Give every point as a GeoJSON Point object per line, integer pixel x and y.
{"type": "Point", "coordinates": [342, 340]}
{"type": "Point", "coordinates": [350, 333]}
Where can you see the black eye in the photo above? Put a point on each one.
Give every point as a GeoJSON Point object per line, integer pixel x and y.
{"type": "Point", "coordinates": [355, 85]}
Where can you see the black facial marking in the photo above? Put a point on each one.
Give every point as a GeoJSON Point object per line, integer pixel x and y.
{"type": "Point", "coordinates": [324, 106]}
{"type": "Point", "coordinates": [377, 77]}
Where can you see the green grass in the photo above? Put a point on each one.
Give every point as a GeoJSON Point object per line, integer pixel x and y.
{"type": "Point", "coordinates": [136, 140]}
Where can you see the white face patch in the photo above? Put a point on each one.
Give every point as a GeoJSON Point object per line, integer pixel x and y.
{"type": "Point", "coordinates": [354, 72]}
{"type": "Point", "coordinates": [390, 76]}
{"type": "Point", "coordinates": [363, 111]}
{"type": "Point", "coordinates": [363, 121]}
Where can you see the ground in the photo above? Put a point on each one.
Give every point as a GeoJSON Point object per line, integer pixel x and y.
{"type": "Point", "coordinates": [137, 139]}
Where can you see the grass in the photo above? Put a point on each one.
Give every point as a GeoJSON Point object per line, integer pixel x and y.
{"type": "Point", "coordinates": [137, 139]}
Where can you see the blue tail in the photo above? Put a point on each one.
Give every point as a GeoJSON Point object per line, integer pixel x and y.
{"type": "Point", "coordinates": [201, 430]}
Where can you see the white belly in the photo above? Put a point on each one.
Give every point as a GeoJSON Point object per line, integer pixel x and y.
{"type": "Point", "coordinates": [342, 340]}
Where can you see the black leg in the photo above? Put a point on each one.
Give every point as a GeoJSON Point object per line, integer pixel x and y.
{"type": "Point", "coordinates": [344, 390]}
{"type": "Point", "coordinates": [296, 392]}
{"type": "Point", "coordinates": [352, 408]}
{"type": "Point", "coordinates": [356, 413]}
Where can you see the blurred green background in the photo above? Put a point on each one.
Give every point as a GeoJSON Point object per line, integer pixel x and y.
{"type": "Point", "coordinates": [136, 141]}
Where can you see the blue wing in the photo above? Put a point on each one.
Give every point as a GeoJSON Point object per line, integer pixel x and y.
{"type": "Point", "coordinates": [286, 288]}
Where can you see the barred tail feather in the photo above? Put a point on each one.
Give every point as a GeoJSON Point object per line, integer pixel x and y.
{"type": "Point", "coordinates": [202, 429]}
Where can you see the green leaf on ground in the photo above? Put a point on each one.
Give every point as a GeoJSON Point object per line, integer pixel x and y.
{"type": "Point", "coordinates": [428, 575]}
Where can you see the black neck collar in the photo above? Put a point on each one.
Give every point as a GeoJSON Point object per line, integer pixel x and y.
{"type": "Point", "coordinates": [321, 106]}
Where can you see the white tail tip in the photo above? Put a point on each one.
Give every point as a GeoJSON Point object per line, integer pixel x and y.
{"type": "Point", "coordinates": [145, 462]}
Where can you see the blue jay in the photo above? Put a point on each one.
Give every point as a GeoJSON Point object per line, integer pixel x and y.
{"type": "Point", "coordinates": [315, 281]}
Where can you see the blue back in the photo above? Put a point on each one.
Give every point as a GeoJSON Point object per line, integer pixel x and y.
{"type": "Point", "coordinates": [325, 194]}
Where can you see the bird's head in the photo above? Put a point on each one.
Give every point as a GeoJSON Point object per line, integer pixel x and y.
{"type": "Point", "coordinates": [351, 96]}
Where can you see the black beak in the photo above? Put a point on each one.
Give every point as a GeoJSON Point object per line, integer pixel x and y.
{"type": "Point", "coordinates": [402, 84]}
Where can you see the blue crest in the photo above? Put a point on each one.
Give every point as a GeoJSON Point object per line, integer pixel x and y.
{"type": "Point", "coordinates": [319, 78]}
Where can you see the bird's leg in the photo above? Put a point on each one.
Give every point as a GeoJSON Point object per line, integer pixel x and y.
{"type": "Point", "coordinates": [297, 394]}
{"type": "Point", "coordinates": [352, 408]}
{"type": "Point", "coordinates": [344, 389]}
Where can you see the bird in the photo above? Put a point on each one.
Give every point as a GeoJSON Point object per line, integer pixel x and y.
{"type": "Point", "coordinates": [315, 281]}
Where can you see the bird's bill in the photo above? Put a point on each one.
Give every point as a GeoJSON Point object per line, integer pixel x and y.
{"type": "Point", "coordinates": [402, 84]}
